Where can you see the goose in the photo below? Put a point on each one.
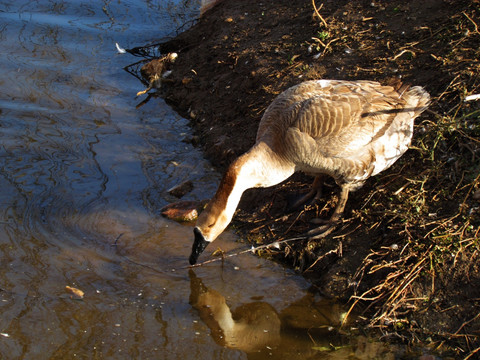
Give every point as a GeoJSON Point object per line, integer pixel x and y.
{"type": "Point", "coordinates": [349, 130]}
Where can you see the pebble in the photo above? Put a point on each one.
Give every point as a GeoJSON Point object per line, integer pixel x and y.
{"type": "Point", "coordinates": [476, 195]}
{"type": "Point", "coordinates": [182, 189]}
{"type": "Point", "coordinates": [183, 211]}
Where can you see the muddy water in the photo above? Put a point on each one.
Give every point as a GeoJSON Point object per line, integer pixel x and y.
{"type": "Point", "coordinates": [83, 174]}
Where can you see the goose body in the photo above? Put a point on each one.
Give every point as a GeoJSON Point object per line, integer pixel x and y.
{"type": "Point", "coordinates": [349, 130]}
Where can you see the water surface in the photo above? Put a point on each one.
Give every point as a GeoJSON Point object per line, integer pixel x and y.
{"type": "Point", "coordinates": [83, 176]}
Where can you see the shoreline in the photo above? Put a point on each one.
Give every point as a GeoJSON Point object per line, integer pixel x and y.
{"type": "Point", "coordinates": [391, 246]}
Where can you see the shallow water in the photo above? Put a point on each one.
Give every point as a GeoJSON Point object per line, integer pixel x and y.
{"type": "Point", "coordinates": [84, 173]}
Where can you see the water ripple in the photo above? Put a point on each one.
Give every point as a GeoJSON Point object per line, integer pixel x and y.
{"type": "Point", "coordinates": [83, 174]}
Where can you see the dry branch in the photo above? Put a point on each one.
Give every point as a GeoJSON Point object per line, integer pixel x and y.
{"type": "Point", "coordinates": [318, 13]}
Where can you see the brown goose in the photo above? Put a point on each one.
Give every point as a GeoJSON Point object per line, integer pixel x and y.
{"type": "Point", "coordinates": [349, 130]}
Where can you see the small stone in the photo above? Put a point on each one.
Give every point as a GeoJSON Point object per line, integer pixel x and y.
{"type": "Point", "coordinates": [180, 214]}
{"type": "Point", "coordinates": [183, 211]}
{"type": "Point", "coordinates": [182, 189]}
{"type": "Point", "coordinates": [476, 195]}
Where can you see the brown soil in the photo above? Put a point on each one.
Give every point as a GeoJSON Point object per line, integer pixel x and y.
{"type": "Point", "coordinates": [406, 254]}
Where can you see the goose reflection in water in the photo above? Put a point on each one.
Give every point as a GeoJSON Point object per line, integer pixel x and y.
{"type": "Point", "coordinates": [258, 329]}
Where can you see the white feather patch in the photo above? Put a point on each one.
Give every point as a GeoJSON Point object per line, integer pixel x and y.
{"type": "Point", "coordinates": [120, 49]}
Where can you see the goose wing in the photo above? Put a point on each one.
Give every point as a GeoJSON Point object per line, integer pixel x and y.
{"type": "Point", "coordinates": [338, 118]}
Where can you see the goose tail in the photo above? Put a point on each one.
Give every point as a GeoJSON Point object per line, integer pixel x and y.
{"type": "Point", "coordinates": [418, 97]}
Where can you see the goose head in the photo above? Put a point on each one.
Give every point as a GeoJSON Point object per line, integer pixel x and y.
{"type": "Point", "coordinates": [199, 245]}
{"type": "Point", "coordinates": [219, 212]}
{"type": "Point", "coordinates": [210, 224]}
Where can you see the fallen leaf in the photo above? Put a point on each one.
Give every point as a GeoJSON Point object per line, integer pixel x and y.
{"type": "Point", "coordinates": [77, 292]}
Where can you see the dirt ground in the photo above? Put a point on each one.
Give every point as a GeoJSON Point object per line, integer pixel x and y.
{"type": "Point", "coordinates": [405, 258]}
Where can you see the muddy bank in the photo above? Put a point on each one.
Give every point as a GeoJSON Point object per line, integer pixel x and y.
{"type": "Point", "coordinates": [406, 254]}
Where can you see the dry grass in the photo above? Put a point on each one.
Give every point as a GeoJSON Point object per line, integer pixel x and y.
{"type": "Point", "coordinates": [436, 212]}
{"type": "Point", "coordinates": [429, 204]}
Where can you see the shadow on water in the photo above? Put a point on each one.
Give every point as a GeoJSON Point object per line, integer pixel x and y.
{"type": "Point", "coordinates": [83, 174]}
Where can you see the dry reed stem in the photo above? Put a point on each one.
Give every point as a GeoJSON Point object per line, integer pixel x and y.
{"type": "Point", "coordinates": [337, 251]}
{"type": "Point", "coordinates": [391, 304]}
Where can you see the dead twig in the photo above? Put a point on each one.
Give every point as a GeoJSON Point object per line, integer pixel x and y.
{"type": "Point", "coordinates": [331, 42]}
{"type": "Point", "coordinates": [318, 13]}
{"type": "Point", "coordinates": [472, 353]}
{"type": "Point", "coordinates": [392, 290]}
{"type": "Point", "coordinates": [473, 22]}
{"type": "Point", "coordinates": [252, 250]}
{"type": "Point", "coordinates": [403, 52]}
{"type": "Point", "coordinates": [459, 329]}
{"type": "Point", "coordinates": [337, 251]}
{"type": "Point", "coordinates": [294, 221]}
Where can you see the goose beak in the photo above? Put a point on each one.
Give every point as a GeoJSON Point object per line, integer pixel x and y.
{"type": "Point", "coordinates": [199, 245]}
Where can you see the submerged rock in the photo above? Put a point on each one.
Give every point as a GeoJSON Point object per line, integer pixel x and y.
{"type": "Point", "coordinates": [182, 189]}
{"type": "Point", "coordinates": [183, 211]}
